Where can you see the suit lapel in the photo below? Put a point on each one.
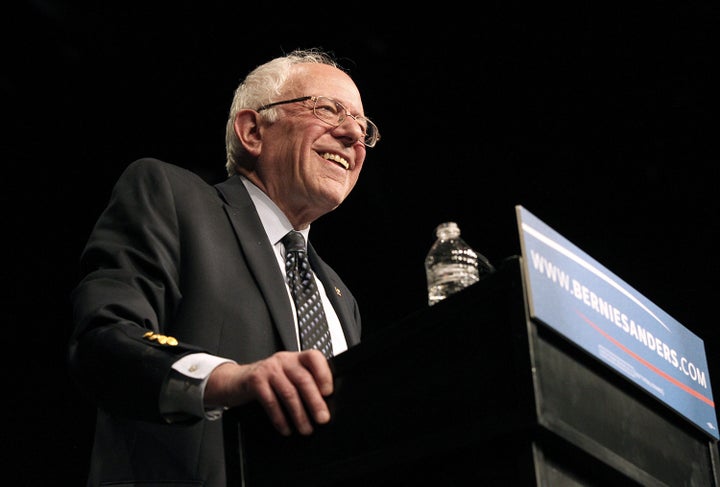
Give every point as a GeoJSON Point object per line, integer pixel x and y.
{"type": "Point", "coordinates": [342, 304]}
{"type": "Point", "coordinates": [260, 257]}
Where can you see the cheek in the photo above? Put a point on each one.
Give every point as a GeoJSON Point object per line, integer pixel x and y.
{"type": "Point", "coordinates": [360, 154]}
{"type": "Point", "coordinates": [353, 177]}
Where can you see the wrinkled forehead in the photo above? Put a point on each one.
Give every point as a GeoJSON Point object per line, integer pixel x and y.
{"type": "Point", "coordinates": [324, 80]}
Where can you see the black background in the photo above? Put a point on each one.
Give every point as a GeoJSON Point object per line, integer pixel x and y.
{"type": "Point", "coordinates": [599, 119]}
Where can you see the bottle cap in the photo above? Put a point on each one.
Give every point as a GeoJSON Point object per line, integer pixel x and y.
{"type": "Point", "coordinates": [447, 230]}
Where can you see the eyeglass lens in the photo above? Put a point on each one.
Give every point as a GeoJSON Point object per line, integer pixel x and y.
{"type": "Point", "coordinates": [335, 113]}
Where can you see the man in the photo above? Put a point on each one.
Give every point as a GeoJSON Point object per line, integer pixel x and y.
{"type": "Point", "coordinates": [183, 309]}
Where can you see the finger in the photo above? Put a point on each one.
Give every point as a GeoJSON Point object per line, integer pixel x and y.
{"type": "Point", "coordinates": [272, 406]}
{"type": "Point", "coordinates": [286, 390]}
{"type": "Point", "coordinates": [314, 381]}
{"type": "Point", "coordinates": [317, 364]}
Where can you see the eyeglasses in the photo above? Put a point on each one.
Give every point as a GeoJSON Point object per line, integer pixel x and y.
{"type": "Point", "coordinates": [334, 113]}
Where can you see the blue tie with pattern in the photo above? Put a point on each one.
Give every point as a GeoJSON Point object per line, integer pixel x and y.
{"type": "Point", "coordinates": [314, 331]}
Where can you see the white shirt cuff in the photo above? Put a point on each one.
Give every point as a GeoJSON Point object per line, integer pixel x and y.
{"type": "Point", "coordinates": [182, 394]}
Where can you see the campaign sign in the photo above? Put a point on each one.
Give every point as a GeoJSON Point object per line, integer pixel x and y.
{"type": "Point", "coordinates": [572, 293]}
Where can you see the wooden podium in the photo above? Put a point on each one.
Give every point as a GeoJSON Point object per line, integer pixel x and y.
{"type": "Point", "coordinates": [472, 391]}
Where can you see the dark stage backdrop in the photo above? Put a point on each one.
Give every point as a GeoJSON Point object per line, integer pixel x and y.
{"type": "Point", "coordinates": [602, 121]}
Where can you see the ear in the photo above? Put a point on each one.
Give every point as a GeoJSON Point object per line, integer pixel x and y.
{"type": "Point", "coordinates": [247, 130]}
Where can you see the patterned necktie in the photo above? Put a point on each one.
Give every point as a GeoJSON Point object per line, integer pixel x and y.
{"type": "Point", "coordinates": [314, 331]}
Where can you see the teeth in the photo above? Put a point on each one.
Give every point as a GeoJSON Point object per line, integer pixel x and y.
{"type": "Point", "coordinates": [336, 158]}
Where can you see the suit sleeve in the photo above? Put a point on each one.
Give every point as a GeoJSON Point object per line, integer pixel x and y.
{"type": "Point", "coordinates": [129, 291]}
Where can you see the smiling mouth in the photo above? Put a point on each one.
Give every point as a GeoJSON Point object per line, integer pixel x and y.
{"type": "Point", "coordinates": [337, 159]}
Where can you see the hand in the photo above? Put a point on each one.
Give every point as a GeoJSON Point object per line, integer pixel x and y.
{"type": "Point", "coordinates": [288, 385]}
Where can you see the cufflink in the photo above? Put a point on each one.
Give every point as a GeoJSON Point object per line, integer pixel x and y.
{"type": "Point", "coordinates": [161, 339]}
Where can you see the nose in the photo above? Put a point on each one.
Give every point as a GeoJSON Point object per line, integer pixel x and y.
{"type": "Point", "coordinates": [350, 129]}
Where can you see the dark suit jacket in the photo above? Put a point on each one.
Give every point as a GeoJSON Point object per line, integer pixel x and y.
{"type": "Point", "coordinates": [181, 258]}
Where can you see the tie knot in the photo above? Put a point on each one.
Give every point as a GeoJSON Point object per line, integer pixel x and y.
{"type": "Point", "coordinates": [294, 242]}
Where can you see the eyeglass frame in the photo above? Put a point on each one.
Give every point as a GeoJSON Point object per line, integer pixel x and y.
{"type": "Point", "coordinates": [340, 122]}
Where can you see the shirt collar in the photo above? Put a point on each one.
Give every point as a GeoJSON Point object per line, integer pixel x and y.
{"type": "Point", "coordinates": [273, 220]}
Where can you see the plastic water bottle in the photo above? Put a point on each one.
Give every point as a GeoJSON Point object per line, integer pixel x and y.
{"type": "Point", "coordinates": [451, 264]}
